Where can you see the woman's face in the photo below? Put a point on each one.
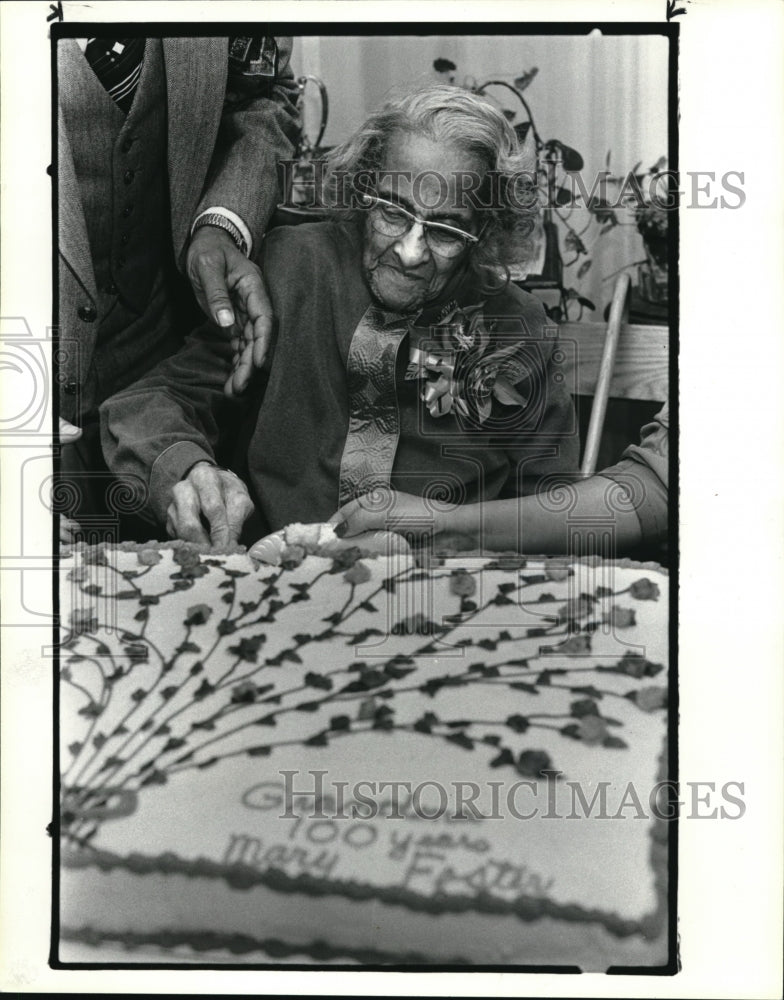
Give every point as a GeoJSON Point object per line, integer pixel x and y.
{"type": "Point", "coordinates": [420, 175]}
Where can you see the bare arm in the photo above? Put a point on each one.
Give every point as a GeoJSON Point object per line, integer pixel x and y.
{"type": "Point", "coordinates": [535, 524]}
{"type": "Point", "coordinates": [626, 503]}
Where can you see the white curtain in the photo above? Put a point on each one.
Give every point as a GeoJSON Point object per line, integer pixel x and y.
{"type": "Point", "coordinates": [596, 93]}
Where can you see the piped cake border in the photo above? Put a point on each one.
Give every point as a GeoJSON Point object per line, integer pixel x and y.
{"type": "Point", "coordinates": [434, 559]}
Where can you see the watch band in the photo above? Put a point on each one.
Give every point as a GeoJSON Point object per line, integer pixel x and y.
{"type": "Point", "coordinates": [219, 220]}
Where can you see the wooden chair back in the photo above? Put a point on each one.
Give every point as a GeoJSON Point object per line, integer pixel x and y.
{"type": "Point", "coordinates": [619, 360]}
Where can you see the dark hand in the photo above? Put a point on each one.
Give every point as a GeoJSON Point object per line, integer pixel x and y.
{"type": "Point", "coordinates": [231, 291]}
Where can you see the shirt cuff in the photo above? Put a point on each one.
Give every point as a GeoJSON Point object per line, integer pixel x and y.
{"type": "Point", "coordinates": [233, 218]}
{"type": "Point", "coordinates": [168, 469]}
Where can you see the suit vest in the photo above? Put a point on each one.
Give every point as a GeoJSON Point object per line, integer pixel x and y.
{"type": "Point", "coordinates": [120, 166]}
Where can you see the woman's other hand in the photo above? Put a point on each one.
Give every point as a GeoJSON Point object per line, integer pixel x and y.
{"type": "Point", "coordinates": [386, 509]}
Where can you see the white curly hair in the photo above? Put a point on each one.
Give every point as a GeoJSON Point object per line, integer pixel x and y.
{"type": "Point", "coordinates": [452, 115]}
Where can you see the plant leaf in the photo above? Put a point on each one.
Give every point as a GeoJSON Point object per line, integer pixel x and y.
{"type": "Point", "coordinates": [584, 268]}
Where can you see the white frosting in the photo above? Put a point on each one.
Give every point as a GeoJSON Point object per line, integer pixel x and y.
{"type": "Point", "coordinates": [320, 539]}
{"type": "Point", "coordinates": [230, 811]}
{"type": "Point", "coordinates": [310, 535]}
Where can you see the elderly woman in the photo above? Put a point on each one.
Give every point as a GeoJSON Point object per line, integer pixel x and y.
{"type": "Point", "coordinates": [403, 361]}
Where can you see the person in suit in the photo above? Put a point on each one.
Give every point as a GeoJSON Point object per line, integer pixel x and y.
{"type": "Point", "coordinates": [167, 164]}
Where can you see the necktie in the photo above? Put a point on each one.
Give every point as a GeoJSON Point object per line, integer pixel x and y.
{"type": "Point", "coordinates": [117, 63]}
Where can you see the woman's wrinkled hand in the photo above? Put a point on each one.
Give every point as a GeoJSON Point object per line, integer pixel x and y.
{"type": "Point", "coordinates": [212, 495]}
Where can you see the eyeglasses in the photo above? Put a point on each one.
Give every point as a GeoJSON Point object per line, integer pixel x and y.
{"type": "Point", "coordinates": [390, 219]}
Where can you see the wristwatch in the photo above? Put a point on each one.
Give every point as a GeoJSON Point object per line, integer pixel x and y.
{"type": "Point", "coordinates": [219, 220]}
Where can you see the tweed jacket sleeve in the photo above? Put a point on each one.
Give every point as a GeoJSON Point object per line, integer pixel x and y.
{"type": "Point", "coordinates": [167, 421]}
{"type": "Point", "coordinates": [258, 128]}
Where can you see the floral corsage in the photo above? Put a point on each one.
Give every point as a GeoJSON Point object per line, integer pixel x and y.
{"type": "Point", "coordinates": [461, 370]}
